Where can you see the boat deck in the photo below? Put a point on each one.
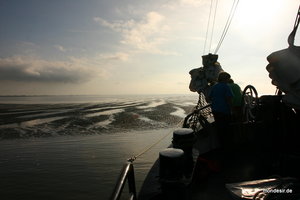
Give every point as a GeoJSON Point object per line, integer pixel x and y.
{"type": "Point", "coordinates": [237, 165]}
{"type": "Point", "coordinates": [213, 170]}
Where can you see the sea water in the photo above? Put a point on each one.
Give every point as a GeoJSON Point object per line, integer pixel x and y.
{"type": "Point", "coordinates": [73, 147]}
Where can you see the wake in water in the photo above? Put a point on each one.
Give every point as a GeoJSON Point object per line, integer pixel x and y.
{"type": "Point", "coordinates": [40, 120]}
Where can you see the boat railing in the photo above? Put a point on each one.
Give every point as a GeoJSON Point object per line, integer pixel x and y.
{"type": "Point", "coordinates": [127, 174]}
{"type": "Point", "coordinates": [200, 110]}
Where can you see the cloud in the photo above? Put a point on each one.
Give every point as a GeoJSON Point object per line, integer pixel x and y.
{"type": "Point", "coordinates": [114, 57]}
{"type": "Point", "coordinates": [60, 48]}
{"type": "Point", "coordinates": [181, 4]}
{"type": "Point", "coordinates": [192, 2]}
{"type": "Point", "coordinates": [20, 68]}
{"type": "Point", "coordinates": [73, 70]}
{"type": "Point", "coordinates": [147, 34]}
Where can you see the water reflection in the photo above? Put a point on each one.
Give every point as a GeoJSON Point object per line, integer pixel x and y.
{"type": "Point", "coordinates": [31, 123]}
{"type": "Point", "coordinates": [73, 167]}
{"type": "Point", "coordinates": [106, 112]}
{"type": "Point", "coordinates": [179, 112]}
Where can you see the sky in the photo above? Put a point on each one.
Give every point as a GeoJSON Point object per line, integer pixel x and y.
{"type": "Point", "coordinates": [109, 47]}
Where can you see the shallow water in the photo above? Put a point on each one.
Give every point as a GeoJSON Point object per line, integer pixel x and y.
{"type": "Point", "coordinates": [76, 151]}
{"type": "Point", "coordinates": [73, 167]}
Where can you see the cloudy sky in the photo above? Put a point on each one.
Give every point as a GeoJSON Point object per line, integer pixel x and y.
{"type": "Point", "coordinates": [133, 46]}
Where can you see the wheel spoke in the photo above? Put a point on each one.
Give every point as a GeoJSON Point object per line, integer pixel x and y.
{"type": "Point", "coordinates": [250, 101]}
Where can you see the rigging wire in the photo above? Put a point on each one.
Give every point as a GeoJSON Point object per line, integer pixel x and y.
{"type": "Point", "coordinates": [229, 20]}
{"type": "Point", "coordinates": [291, 38]}
{"type": "Point", "coordinates": [297, 18]}
{"type": "Point", "coordinates": [207, 27]}
{"type": "Point", "coordinates": [133, 158]}
{"type": "Point", "coordinates": [213, 26]}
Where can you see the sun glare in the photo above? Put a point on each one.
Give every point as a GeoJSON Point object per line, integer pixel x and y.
{"type": "Point", "coordinates": [256, 12]}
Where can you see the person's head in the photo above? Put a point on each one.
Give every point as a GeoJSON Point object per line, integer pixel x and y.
{"type": "Point", "coordinates": [230, 81]}
{"type": "Point", "coordinates": [223, 77]}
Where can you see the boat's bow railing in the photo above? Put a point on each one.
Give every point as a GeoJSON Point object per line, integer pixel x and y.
{"type": "Point", "coordinates": [127, 174]}
{"type": "Point", "coordinates": [197, 119]}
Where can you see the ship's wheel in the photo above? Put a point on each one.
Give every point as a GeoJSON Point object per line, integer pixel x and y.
{"type": "Point", "coordinates": [197, 120]}
{"type": "Point", "coordinates": [249, 104]}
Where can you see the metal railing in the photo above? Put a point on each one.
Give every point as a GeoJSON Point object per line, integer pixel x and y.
{"type": "Point", "coordinates": [127, 173]}
{"type": "Point", "coordinates": [197, 119]}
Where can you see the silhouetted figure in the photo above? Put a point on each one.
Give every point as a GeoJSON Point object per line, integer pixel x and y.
{"type": "Point", "coordinates": [236, 100]}
{"type": "Point", "coordinates": [221, 102]}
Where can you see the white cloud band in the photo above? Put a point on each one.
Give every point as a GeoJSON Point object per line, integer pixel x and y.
{"type": "Point", "coordinates": [20, 68]}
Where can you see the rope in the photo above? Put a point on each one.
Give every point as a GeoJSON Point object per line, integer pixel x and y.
{"type": "Point", "coordinates": [207, 28]}
{"type": "Point", "coordinates": [297, 18]}
{"type": "Point", "coordinates": [229, 20]}
{"type": "Point", "coordinates": [291, 38]}
{"type": "Point", "coordinates": [133, 158]}
{"type": "Point", "coordinates": [213, 27]}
